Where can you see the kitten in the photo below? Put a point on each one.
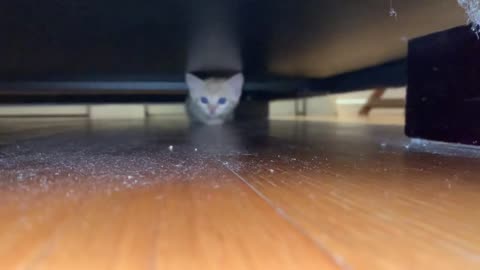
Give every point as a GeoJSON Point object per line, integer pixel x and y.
{"type": "Point", "coordinates": [214, 44]}
{"type": "Point", "coordinates": [212, 101]}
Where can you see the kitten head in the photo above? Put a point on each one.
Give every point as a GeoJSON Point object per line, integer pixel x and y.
{"type": "Point", "coordinates": [215, 96]}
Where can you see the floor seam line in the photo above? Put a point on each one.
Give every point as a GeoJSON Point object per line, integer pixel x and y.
{"type": "Point", "coordinates": [280, 212]}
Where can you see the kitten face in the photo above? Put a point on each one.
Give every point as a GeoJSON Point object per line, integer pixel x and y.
{"type": "Point", "coordinates": [215, 96]}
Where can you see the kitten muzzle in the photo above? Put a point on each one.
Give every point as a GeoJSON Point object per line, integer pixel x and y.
{"type": "Point", "coordinates": [212, 109]}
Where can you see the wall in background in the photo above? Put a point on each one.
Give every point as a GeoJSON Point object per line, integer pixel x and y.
{"type": "Point", "coordinates": [349, 104]}
{"type": "Point", "coordinates": [43, 110]}
{"type": "Point", "coordinates": [175, 109]}
{"type": "Point", "coordinates": [340, 105]}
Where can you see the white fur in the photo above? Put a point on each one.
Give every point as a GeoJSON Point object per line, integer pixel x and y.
{"type": "Point", "coordinates": [213, 89]}
{"type": "Point", "coordinates": [472, 8]}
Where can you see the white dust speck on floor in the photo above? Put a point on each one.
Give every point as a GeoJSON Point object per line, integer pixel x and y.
{"type": "Point", "coordinates": [104, 162]}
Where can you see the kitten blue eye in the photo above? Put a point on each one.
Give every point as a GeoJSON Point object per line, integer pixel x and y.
{"type": "Point", "coordinates": [222, 101]}
{"type": "Point", "coordinates": [204, 100]}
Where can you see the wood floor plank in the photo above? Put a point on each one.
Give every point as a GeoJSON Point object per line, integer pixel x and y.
{"type": "Point", "coordinates": [267, 195]}
{"type": "Point", "coordinates": [120, 199]}
{"type": "Point", "coordinates": [374, 205]}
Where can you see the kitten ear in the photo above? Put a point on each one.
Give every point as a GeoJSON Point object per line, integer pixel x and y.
{"type": "Point", "coordinates": [194, 83]}
{"type": "Point", "coordinates": [236, 82]}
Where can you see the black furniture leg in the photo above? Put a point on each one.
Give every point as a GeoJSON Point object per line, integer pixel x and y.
{"type": "Point", "coordinates": [443, 94]}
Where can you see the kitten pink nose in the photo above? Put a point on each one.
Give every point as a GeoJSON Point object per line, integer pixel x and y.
{"type": "Point", "coordinates": [212, 109]}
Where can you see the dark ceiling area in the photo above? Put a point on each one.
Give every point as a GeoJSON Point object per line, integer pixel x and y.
{"type": "Point", "coordinates": [308, 40]}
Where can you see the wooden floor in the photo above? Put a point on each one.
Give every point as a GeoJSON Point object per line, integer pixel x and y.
{"type": "Point", "coordinates": [158, 194]}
